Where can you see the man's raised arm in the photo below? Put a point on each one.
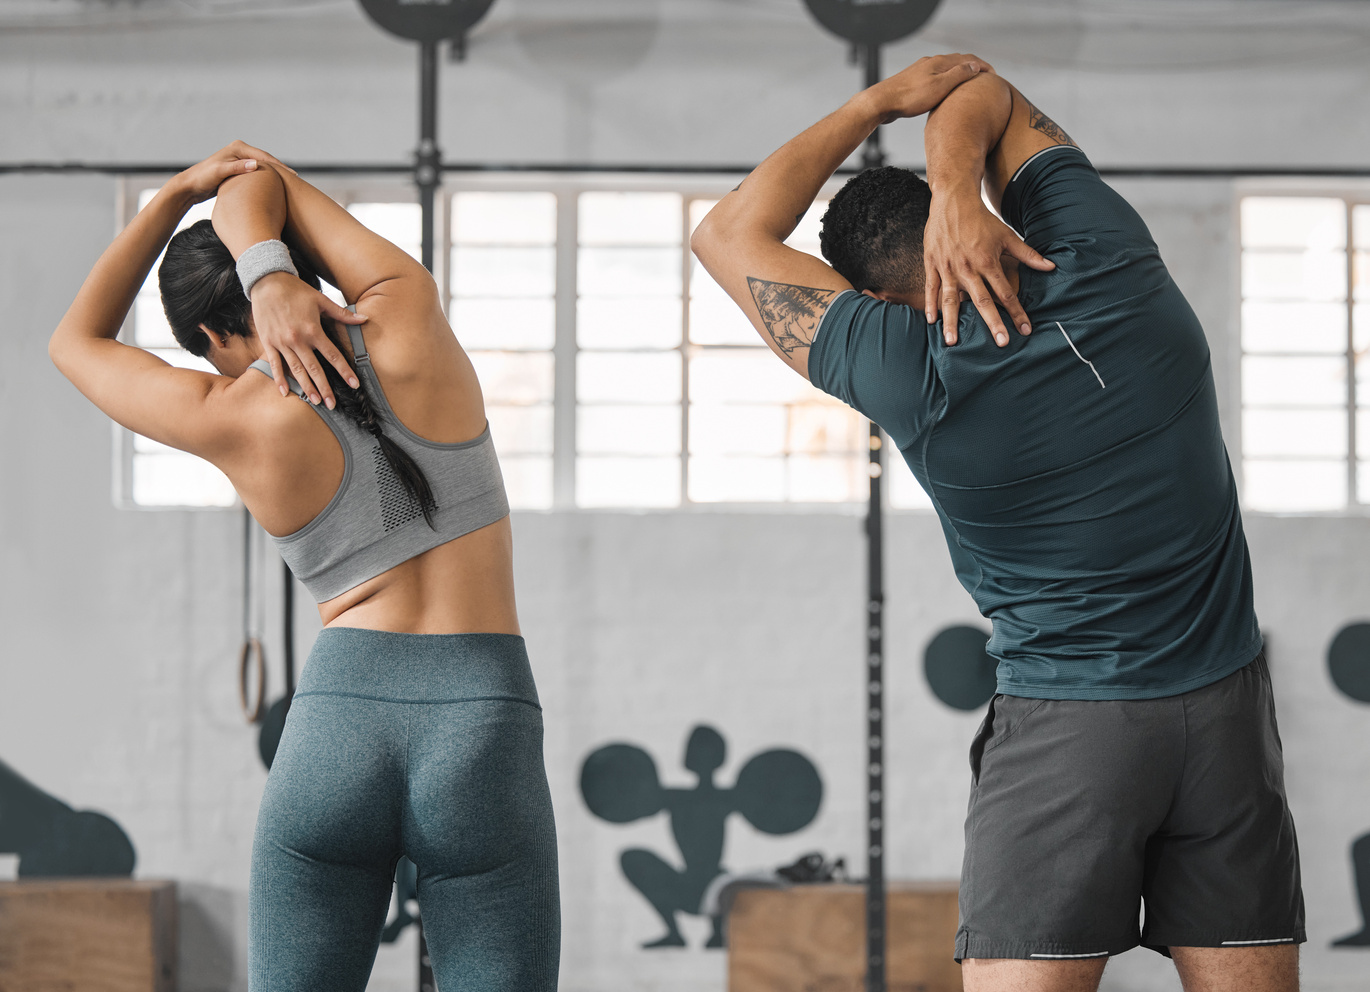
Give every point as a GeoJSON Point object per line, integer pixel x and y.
{"type": "Point", "coordinates": [741, 242]}
{"type": "Point", "coordinates": [982, 132]}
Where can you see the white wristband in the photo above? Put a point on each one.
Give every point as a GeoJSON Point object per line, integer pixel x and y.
{"type": "Point", "coordinates": [262, 259]}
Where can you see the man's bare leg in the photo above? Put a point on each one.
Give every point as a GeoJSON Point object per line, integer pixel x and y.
{"type": "Point", "coordinates": [1274, 968]}
{"type": "Point", "coordinates": [1010, 975]}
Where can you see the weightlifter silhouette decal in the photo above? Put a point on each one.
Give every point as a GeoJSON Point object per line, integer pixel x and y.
{"type": "Point", "coordinates": [1348, 662]}
{"type": "Point", "coordinates": [777, 792]}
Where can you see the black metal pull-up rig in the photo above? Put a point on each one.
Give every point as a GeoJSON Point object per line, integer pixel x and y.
{"type": "Point", "coordinates": [867, 27]}
{"type": "Point", "coordinates": [429, 24]}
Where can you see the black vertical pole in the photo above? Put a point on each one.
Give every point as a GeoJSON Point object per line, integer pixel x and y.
{"type": "Point", "coordinates": [427, 174]}
{"type": "Point", "coordinates": [288, 630]}
{"type": "Point", "coordinates": [872, 157]}
{"type": "Point", "coordinates": [426, 981]}
{"type": "Point", "coordinates": [428, 161]}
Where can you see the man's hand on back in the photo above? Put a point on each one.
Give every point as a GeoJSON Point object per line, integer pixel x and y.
{"type": "Point", "coordinates": [963, 244]}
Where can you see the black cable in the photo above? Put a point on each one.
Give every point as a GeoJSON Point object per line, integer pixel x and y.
{"type": "Point", "coordinates": [251, 658]}
{"type": "Point", "coordinates": [597, 168]}
{"type": "Point", "coordinates": [288, 628]}
{"type": "Point", "coordinates": [877, 972]}
{"type": "Point", "coordinates": [247, 574]}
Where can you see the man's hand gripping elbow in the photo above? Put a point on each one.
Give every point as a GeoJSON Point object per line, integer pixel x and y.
{"type": "Point", "coordinates": [741, 241]}
{"type": "Point", "coordinates": [966, 248]}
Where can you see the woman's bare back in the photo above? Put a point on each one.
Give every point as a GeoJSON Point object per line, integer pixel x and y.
{"type": "Point", "coordinates": [465, 585]}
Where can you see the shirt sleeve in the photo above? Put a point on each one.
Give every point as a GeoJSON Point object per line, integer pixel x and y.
{"type": "Point", "coordinates": [876, 358]}
{"type": "Point", "coordinates": [1057, 197]}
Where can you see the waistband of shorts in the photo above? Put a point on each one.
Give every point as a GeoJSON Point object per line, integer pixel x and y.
{"type": "Point", "coordinates": [418, 668]}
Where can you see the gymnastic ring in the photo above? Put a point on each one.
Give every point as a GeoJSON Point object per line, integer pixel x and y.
{"type": "Point", "coordinates": [252, 649]}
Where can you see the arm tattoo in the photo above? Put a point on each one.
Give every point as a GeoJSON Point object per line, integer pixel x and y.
{"type": "Point", "coordinates": [1041, 122]}
{"type": "Point", "coordinates": [790, 313]}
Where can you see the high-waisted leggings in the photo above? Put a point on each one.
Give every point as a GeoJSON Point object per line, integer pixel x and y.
{"type": "Point", "coordinates": [428, 746]}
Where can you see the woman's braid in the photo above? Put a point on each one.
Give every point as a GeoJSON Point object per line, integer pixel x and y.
{"type": "Point", "coordinates": [357, 406]}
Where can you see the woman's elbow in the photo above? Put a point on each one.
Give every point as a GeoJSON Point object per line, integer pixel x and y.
{"type": "Point", "coordinates": [57, 350]}
{"type": "Point", "coordinates": [63, 350]}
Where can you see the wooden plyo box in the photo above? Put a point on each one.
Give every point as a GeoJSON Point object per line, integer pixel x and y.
{"type": "Point", "coordinates": [812, 938]}
{"type": "Point", "coordinates": [87, 935]}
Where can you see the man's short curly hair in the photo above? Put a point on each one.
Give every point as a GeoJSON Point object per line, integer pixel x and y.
{"type": "Point", "coordinates": [873, 230]}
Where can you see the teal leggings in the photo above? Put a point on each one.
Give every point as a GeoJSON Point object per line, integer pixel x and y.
{"type": "Point", "coordinates": [428, 746]}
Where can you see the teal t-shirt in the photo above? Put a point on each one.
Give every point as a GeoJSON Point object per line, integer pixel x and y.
{"type": "Point", "coordinates": [1079, 473]}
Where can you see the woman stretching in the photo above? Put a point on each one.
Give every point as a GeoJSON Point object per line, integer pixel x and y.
{"type": "Point", "coordinates": [416, 728]}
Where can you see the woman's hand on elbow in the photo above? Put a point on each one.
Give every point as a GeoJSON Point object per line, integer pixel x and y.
{"type": "Point", "coordinates": [203, 179]}
{"type": "Point", "coordinates": [286, 317]}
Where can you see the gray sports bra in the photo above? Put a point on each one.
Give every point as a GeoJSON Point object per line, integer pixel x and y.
{"type": "Point", "coordinates": [371, 524]}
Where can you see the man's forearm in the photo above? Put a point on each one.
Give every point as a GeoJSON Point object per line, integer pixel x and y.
{"type": "Point", "coordinates": [962, 130]}
{"type": "Point", "coordinates": [774, 197]}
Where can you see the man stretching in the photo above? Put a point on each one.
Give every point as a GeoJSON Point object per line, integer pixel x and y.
{"type": "Point", "coordinates": [1131, 755]}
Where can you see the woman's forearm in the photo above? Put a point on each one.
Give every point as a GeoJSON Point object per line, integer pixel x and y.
{"type": "Point", "coordinates": [342, 250]}
{"type": "Point", "coordinates": [109, 291]}
{"type": "Point", "coordinates": [250, 208]}
{"type": "Point", "coordinates": [308, 210]}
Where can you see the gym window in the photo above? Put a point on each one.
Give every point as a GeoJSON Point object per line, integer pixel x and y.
{"type": "Point", "coordinates": [148, 474]}
{"type": "Point", "coordinates": [1305, 328]}
{"type": "Point", "coordinates": [616, 373]}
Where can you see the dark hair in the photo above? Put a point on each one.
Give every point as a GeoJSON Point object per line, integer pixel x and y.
{"type": "Point", "coordinates": [199, 285]}
{"type": "Point", "coordinates": [873, 230]}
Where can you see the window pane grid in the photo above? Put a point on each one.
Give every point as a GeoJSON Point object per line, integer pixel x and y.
{"type": "Point", "coordinates": [630, 380]}
{"type": "Point", "coordinates": [755, 431]}
{"type": "Point", "coordinates": [675, 400]}
{"type": "Point", "coordinates": [1301, 429]}
{"type": "Point", "coordinates": [502, 277]}
{"type": "Point", "coordinates": [161, 476]}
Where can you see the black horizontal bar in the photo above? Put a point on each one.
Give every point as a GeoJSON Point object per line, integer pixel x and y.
{"type": "Point", "coordinates": [596, 168]}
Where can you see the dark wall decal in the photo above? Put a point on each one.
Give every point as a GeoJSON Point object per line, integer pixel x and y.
{"type": "Point", "coordinates": [958, 670]}
{"type": "Point", "coordinates": [872, 23]}
{"type": "Point", "coordinates": [1348, 662]}
{"type": "Point", "coordinates": [52, 839]}
{"type": "Point", "coordinates": [777, 791]}
{"type": "Point", "coordinates": [431, 21]}
{"type": "Point", "coordinates": [1360, 865]}
{"type": "Point", "coordinates": [273, 721]}
{"type": "Point", "coordinates": [269, 734]}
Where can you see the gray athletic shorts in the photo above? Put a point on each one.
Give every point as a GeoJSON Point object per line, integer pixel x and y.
{"type": "Point", "coordinates": [1081, 811]}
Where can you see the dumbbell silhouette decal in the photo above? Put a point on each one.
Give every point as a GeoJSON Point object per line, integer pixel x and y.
{"type": "Point", "coordinates": [777, 792]}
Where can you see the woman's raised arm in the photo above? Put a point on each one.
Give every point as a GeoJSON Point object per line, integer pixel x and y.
{"type": "Point", "coordinates": [251, 208]}
{"type": "Point", "coordinates": [362, 264]}
{"type": "Point", "coordinates": [132, 386]}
